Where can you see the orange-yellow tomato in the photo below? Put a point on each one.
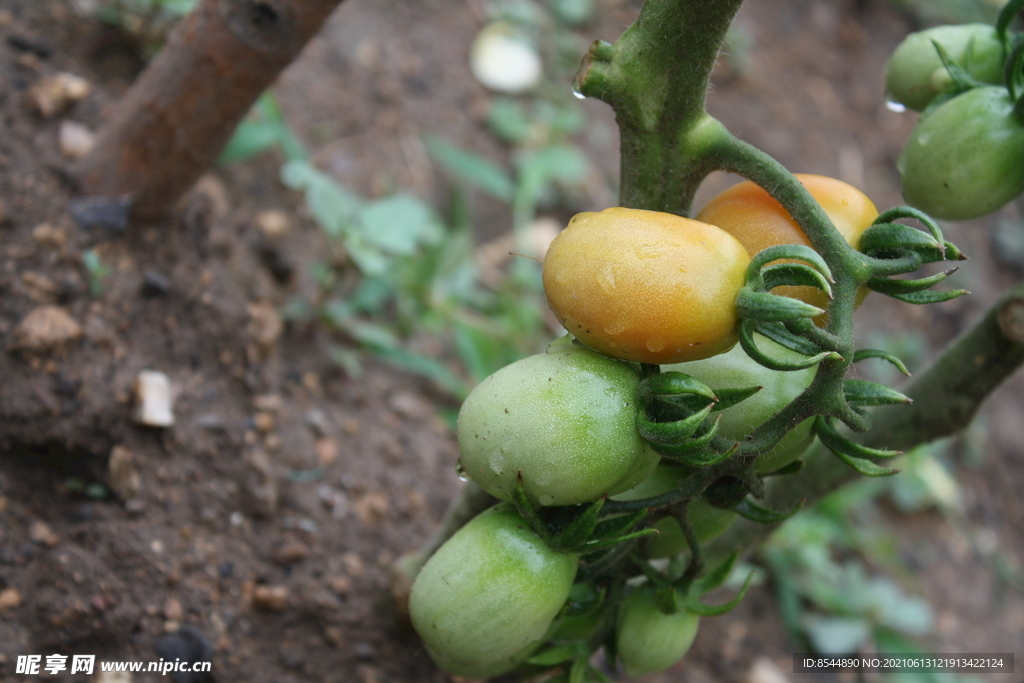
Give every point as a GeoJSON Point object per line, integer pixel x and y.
{"type": "Point", "coordinates": [646, 286]}
{"type": "Point", "coordinates": [748, 212]}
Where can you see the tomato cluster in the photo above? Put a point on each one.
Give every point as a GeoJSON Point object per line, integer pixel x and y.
{"type": "Point", "coordinates": [962, 160]}
{"type": "Point", "coordinates": [556, 434]}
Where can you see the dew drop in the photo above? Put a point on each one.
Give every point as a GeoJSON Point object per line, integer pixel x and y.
{"type": "Point", "coordinates": [546, 499]}
{"type": "Point", "coordinates": [578, 95]}
{"type": "Point", "coordinates": [606, 279]}
{"type": "Point", "coordinates": [655, 344]}
{"type": "Point", "coordinates": [497, 462]}
{"type": "Point", "coordinates": [460, 472]}
{"type": "Point", "coordinates": [893, 105]}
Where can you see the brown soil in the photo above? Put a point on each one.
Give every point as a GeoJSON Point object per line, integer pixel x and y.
{"type": "Point", "coordinates": [262, 525]}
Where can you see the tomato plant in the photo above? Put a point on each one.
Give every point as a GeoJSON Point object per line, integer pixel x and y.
{"type": "Point", "coordinates": [485, 599]}
{"type": "Point", "coordinates": [645, 286]}
{"type": "Point", "coordinates": [563, 420]}
{"type": "Point", "coordinates": [963, 160]}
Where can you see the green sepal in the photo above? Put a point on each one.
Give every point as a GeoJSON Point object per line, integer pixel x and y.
{"type": "Point", "coordinates": [885, 285]}
{"type": "Point", "coordinates": [715, 577]}
{"type": "Point", "coordinates": [762, 515]}
{"type": "Point", "coordinates": [864, 393]}
{"type": "Point", "coordinates": [667, 599]}
{"type": "Point", "coordinates": [836, 441]}
{"type": "Point", "coordinates": [526, 509]}
{"type": "Point", "coordinates": [746, 333]}
{"type": "Point", "coordinates": [920, 298]}
{"type": "Point", "coordinates": [1006, 16]}
{"type": "Point", "coordinates": [616, 526]}
{"type": "Point", "coordinates": [580, 529]}
{"type": "Point", "coordinates": [791, 468]}
{"type": "Point", "coordinates": [727, 398]}
{"type": "Point", "coordinates": [962, 81]}
{"type": "Point", "coordinates": [778, 333]}
{"type": "Point", "coordinates": [556, 654]}
{"type": "Point", "coordinates": [847, 451]}
{"type": "Point", "coordinates": [701, 609]}
{"type": "Point", "coordinates": [725, 493]}
{"type": "Point", "coordinates": [795, 275]}
{"type": "Point", "coordinates": [703, 457]}
{"type": "Point", "coordinates": [680, 451]}
{"type": "Point", "coordinates": [597, 544]}
{"type": "Point", "coordinates": [666, 385]}
{"type": "Point", "coordinates": [889, 216]}
{"type": "Point", "coordinates": [864, 354]}
{"type": "Point", "coordinates": [800, 252]}
{"type": "Point", "coordinates": [670, 433]}
{"type": "Point", "coordinates": [766, 307]}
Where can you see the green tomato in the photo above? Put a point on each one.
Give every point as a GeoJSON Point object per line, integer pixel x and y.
{"type": "Point", "coordinates": [706, 521]}
{"type": "Point", "coordinates": [964, 159]}
{"type": "Point", "coordinates": [565, 419]}
{"type": "Point", "coordinates": [647, 639]}
{"type": "Point", "coordinates": [483, 602]}
{"type": "Point", "coordinates": [914, 74]}
{"type": "Point", "coordinates": [735, 370]}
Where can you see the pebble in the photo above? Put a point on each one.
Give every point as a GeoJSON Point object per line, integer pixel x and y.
{"type": "Point", "coordinates": [273, 224]}
{"type": "Point", "coordinates": [326, 450]}
{"type": "Point", "coordinates": [264, 422]}
{"type": "Point", "coordinates": [153, 399]}
{"type": "Point", "coordinates": [46, 235]}
{"type": "Point", "coordinates": [290, 553]}
{"type": "Point", "coordinates": [41, 533]}
{"type": "Point", "coordinates": [270, 598]}
{"type": "Point", "coordinates": [354, 564]}
{"type": "Point", "coordinates": [75, 139]}
{"type": "Point", "coordinates": [173, 609]}
{"type": "Point", "coordinates": [9, 599]}
{"type": "Point", "coordinates": [266, 324]}
{"type": "Point", "coordinates": [154, 284]}
{"type": "Point", "coordinates": [53, 94]}
{"type": "Point", "coordinates": [340, 585]}
{"type": "Point", "coordinates": [764, 670]}
{"type": "Point", "coordinates": [46, 328]}
{"type": "Point", "coordinates": [123, 474]}
{"type": "Point", "coordinates": [504, 61]}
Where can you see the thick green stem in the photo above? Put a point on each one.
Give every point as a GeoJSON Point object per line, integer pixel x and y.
{"type": "Point", "coordinates": [656, 77]}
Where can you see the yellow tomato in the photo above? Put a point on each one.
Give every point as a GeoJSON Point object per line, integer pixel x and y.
{"type": "Point", "coordinates": [748, 213]}
{"type": "Point", "coordinates": [646, 286]}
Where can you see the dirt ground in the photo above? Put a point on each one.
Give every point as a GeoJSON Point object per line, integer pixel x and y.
{"type": "Point", "coordinates": [258, 530]}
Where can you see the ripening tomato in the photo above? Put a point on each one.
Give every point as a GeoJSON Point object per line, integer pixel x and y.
{"type": "Point", "coordinates": [914, 74]}
{"type": "Point", "coordinates": [647, 639]}
{"type": "Point", "coordinates": [747, 212]}
{"type": "Point", "coordinates": [965, 159]}
{"type": "Point", "coordinates": [484, 601]}
{"type": "Point", "coordinates": [565, 420]}
{"type": "Point", "coordinates": [646, 286]}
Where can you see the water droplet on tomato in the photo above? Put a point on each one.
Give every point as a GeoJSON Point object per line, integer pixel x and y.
{"type": "Point", "coordinates": [655, 344]}
{"type": "Point", "coordinates": [460, 471]}
{"type": "Point", "coordinates": [546, 499]}
{"type": "Point", "coordinates": [497, 462]}
{"type": "Point", "coordinates": [578, 95]}
{"type": "Point", "coordinates": [606, 279]}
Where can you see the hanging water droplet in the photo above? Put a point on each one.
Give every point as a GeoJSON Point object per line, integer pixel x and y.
{"type": "Point", "coordinates": [460, 471]}
{"type": "Point", "coordinates": [893, 105]}
{"type": "Point", "coordinates": [497, 462]}
{"type": "Point", "coordinates": [578, 95]}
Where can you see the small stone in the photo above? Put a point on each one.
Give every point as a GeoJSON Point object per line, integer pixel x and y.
{"type": "Point", "coordinates": [53, 94]}
{"type": "Point", "coordinates": [266, 324]}
{"type": "Point", "coordinates": [764, 670]}
{"type": "Point", "coordinates": [9, 599]}
{"type": "Point", "coordinates": [173, 609]}
{"type": "Point", "coordinates": [273, 224]}
{"type": "Point", "coordinates": [270, 598]}
{"type": "Point", "coordinates": [326, 450]}
{"type": "Point", "coordinates": [503, 60]}
{"type": "Point", "coordinates": [154, 284]}
{"type": "Point", "coordinates": [46, 235]}
{"type": "Point", "coordinates": [371, 507]}
{"type": "Point", "coordinates": [40, 287]}
{"type": "Point", "coordinates": [354, 564]}
{"type": "Point", "coordinates": [264, 422]}
{"type": "Point", "coordinates": [409, 405]}
{"type": "Point", "coordinates": [76, 140]}
{"type": "Point", "coordinates": [123, 474]}
{"type": "Point", "coordinates": [46, 328]}
{"type": "Point", "coordinates": [350, 426]}
{"type": "Point", "coordinates": [340, 585]}
{"type": "Point", "coordinates": [290, 553]}
{"type": "Point", "coordinates": [41, 533]}
{"type": "Point", "coordinates": [153, 399]}
{"type": "Point", "coordinates": [271, 403]}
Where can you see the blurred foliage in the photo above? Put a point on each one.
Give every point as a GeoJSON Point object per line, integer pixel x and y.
{"type": "Point", "coordinates": [147, 21]}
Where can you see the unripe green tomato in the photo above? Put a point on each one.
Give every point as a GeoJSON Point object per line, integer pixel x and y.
{"type": "Point", "coordinates": [965, 159]}
{"type": "Point", "coordinates": [736, 370]}
{"type": "Point", "coordinates": [647, 639]}
{"type": "Point", "coordinates": [565, 419]}
{"type": "Point", "coordinates": [485, 599]}
{"type": "Point", "coordinates": [706, 521]}
{"type": "Point", "coordinates": [914, 74]}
